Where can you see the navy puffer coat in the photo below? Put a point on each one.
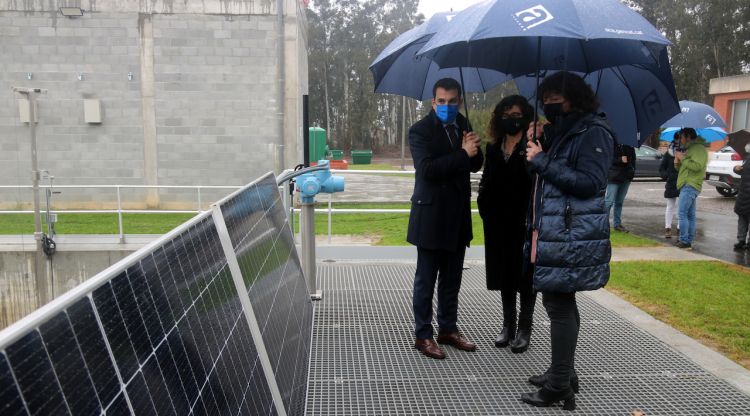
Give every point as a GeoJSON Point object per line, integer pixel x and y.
{"type": "Point", "coordinates": [568, 211]}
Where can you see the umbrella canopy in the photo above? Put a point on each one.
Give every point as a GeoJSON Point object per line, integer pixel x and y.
{"type": "Point", "coordinates": [523, 36]}
{"type": "Point", "coordinates": [635, 98]}
{"type": "Point", "coordinates": [695, 115]}
{"type": "Point", "coordinates": [398, 69]}
{"type": "Point", "coordinates": [710, 134]}
{"type": "Point", "coordinates": [738, 140]}
{"type": "Point", "coordinates": [703, 118]}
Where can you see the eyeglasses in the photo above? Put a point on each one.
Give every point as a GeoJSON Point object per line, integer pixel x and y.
{"type": "Point", "coordinates": [505, 116]}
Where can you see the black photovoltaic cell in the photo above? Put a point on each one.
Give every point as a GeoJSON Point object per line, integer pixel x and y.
{"type": "Point", "coordinates": [271, 269]}
{"type": "Point", "coordinates": [167, 335]}
{"type": "Point", "coordinates": [94, 351]}
{"type": "Point", "coordinates": [35, 376]}
{"type": "Point", "coordinates": [67, 361]}
{"type": "Point", "coordinates": [10, 398]}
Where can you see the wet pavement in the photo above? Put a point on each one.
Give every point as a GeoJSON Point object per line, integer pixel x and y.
{"type": "Point", "coordinates": [643, 214]}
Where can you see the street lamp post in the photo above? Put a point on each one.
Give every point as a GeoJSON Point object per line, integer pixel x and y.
{"type": "Point", "coordinates": [40, 276]}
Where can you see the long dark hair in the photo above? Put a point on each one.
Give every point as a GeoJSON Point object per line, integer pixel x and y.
{"type": "Point", "coordinates": [573, 88]}
{"type": "Point", "coordinates": [495, 130]}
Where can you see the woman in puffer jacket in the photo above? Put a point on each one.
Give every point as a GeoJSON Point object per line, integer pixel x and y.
{"type": "Point", "coordinates": [569, 243]}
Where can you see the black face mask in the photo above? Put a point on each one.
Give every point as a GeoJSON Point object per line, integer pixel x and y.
{"type": "Point", "coordinates": [511, 126]}
{"type": "Point", "coordinates": [553, 111]}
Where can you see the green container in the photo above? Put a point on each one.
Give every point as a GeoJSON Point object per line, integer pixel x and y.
{"type": "Point", "coordinates": [337, 154]}
{"type": "Point", "coordinates": [361, 157]}
{"type": "Point", "coordinates": [318, 145]}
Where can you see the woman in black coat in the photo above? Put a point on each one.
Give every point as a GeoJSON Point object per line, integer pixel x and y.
{"type": "Point", "coordinates": [504, 193]}
{"type": "Point", "coordinates": [668, 172]}
{"type": "Point", "coordinates": [569, 243]}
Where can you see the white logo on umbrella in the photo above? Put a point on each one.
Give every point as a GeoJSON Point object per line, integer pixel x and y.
{"type": "Point", "coordinates": [533, 16]}
{"type": "Point", "coordinates": [711, 119]}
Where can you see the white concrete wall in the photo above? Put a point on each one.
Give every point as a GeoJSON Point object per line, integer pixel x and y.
{"type": "Point", "coordinates": [201, 108]}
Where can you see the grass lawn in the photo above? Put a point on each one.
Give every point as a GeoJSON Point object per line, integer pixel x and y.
{"type": "Point", "coordinates": [391, 228]}
{"type": "Point", "coordinates": [373, 166]}
{"type": "Point", "coordinates": [629, 240]}
{"type": "Point", "coordinates": [709, 301]}
{"type": "Point", "coordinates": [95, 223]}
{"type": "Point", "coordinates": [386, 229]}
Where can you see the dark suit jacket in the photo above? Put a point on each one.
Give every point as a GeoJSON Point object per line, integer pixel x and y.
{"type": "Point", "coordinates": [440, 217]}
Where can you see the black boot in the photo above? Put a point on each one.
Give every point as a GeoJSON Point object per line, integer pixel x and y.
{"type": "Point", "coordinates": [506, 336]}
{"type": "Point", "coordinates": [541, 379]}
{"type": "Point", "coordinates": [546, 398]}
{"type": "Point", "coordinates": [521, 343]}
{"type": "Point", "coordinates": [740, 245]}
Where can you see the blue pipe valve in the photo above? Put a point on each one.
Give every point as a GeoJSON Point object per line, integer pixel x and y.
{"type": "Point", "coordinates": [313, 183]}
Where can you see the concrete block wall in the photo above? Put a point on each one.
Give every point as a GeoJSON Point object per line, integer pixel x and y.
{"type": "Point", "coordinates": [200, 108]}
{"type": "Point", "coordinates": [215, 97]}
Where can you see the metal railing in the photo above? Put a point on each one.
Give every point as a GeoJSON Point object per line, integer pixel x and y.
{"type": "Point", "coordinates": [330, 210]}
{"type": "Point", "coordinates": [118, 193]}
{"type": "Point", "coordinates": [287, 200]}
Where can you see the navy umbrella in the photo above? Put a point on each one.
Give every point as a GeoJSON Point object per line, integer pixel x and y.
{"type": "Point", "coordinates": [635, 98]}
{"type": "Point", "coordinates": [523, 36]}
{"type": "Point", "coordinates": [398, 69]}
{"type": "Point", "coordinates": [703, 118]}
{"type": "Point", "coordinates": [527, 36]}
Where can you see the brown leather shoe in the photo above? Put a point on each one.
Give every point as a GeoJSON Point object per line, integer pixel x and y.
{"type": "Point", "coordinates": [429, 348]}
{"type": "Point", "coordinates": [457, 340]}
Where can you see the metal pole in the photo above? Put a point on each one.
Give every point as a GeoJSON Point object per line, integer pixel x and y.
{"type": "Point", "coordinates": [119, 216]}
{"type": "Point", "coordinates": [40, 278]}
{"type": "Point", "coordinates": [200, 204]}
{"type": "Point", "coordinates": [307, 235]}
{"type": "Point", "coordinates": [403, 129]}
{"type": "Point", "coordinates": [330, 205]}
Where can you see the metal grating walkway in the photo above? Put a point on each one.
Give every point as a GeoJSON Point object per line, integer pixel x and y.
{"type": "Point", "coordinates": [363, 362]}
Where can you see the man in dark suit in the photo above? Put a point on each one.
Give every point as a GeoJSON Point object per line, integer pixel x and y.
{"type": "Point", "coordinates": [445, 151]}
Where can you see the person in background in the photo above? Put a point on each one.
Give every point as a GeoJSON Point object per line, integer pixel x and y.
{"type": "Point", "coordinates": [503, 201]}
{"type": "Point", "coordinates": [621, 173]}
{"type": "Point", "coordinates": [445, 152]}
{"type": "Point", "coordinates": [691, 165]}
{"type": "Point", "coordinates": [742, 203]}
{"type": "Point", "coordinates": [568, 228]}
{"type": "Point", "coordinates": [668, 172]}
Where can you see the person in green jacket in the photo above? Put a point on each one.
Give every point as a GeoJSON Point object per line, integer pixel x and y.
{"type": "Point", "coordinates": [691, 164]}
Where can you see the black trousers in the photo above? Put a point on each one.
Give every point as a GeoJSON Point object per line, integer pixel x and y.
{"type": "Point", "coordinates": [526, 314]}
{"type": "Point", "coordinates": [565, 323]}
{"type": "Point", "coordinates": [445, 268]}
{"type": "Point", "coordinates": [742, 226]}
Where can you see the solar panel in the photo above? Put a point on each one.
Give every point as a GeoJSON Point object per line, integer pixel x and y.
{"type": "Point", "coordinates": [167, 331]}
{"type": "Point", "coordinates": [264, 246]}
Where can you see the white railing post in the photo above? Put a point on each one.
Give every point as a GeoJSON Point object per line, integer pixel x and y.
{"type": "Point", "coordinates": [330, 205]}
{"type": "Point", "coordinates": [200, 203]}
{"type": "Point", "coordinates": [119, 216]}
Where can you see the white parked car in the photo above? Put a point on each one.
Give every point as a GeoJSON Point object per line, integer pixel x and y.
{"type": "Point", "coordinates": [720, 173]}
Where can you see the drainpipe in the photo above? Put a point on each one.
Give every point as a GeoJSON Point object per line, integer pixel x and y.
{"type": "Point", "coordinates": [281, 83]}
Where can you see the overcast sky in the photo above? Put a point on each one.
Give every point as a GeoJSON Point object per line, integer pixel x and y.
{"type": "Point", "coordinates": [430, 7]}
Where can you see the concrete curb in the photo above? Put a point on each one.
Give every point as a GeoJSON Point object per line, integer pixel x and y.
{"type": "Point", "coordinates": [712, 361]}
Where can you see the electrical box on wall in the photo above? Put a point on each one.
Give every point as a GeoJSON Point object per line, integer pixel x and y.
{"type": "Point", "coordinates": [23, 110]}
{"type": "Point", "coordinates": [92, 110]}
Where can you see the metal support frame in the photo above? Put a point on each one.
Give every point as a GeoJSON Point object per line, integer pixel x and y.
{"type": "Point", "coordinates": [247, 307]}
{"type": "Point", "coordinates": [307, 235]}
{"type": "Point", "coordinates": [40, 276]}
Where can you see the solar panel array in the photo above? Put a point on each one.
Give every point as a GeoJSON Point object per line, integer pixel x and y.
{"type": "Point", "coordinates": [164, 331]}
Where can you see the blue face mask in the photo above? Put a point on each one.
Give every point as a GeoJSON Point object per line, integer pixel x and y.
{"type": "Point", "coordinates": [446, 112]}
